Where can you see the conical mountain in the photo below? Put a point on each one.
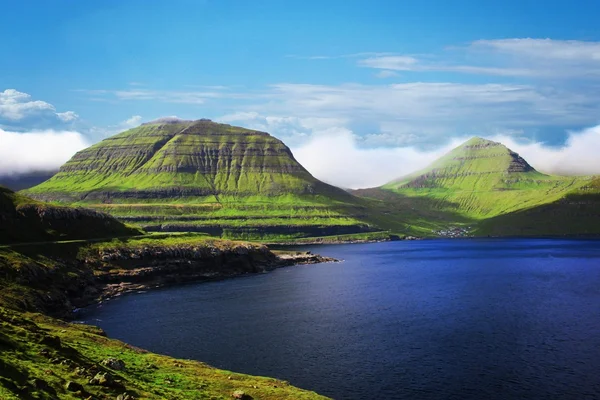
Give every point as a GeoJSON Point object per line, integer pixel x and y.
{"type": "Point", "coordinates": [203, 176]}
{"type": "Point", "coordinates": [477, 164]}
{"type": "Point", "coordinates": [478, 179]}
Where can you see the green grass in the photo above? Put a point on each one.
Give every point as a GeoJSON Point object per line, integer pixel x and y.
{"type": "Point", "coordinates": [26, 220]}
{"type": "Point", "coordinates": [39, 355]}
{"type": "Point", "coordinates": [483, 184]}
{"type": "Point", "coordinates": [222, 175]}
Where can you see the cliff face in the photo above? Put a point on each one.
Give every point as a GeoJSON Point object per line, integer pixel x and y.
{"type": "Point", "coordinates": [25, 220]}
{"type": "Point", "coordinates": [54, 279]}
{"type": "Point", "coordinates": [207, 177]}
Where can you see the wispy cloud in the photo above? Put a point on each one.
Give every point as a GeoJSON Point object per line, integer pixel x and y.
{"type": "Point", "coordinates": [99, 133]}
{"type": "Point", "coordinates": [384, 74]}
{"type": "Point", "coordinates": [166, 96]}
{"type": "Point", "coordinates": [532, 58]}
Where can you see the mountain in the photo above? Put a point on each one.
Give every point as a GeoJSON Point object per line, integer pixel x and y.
{"type": "Point", "coordinates": [174, 175]}
{"type": "Point", "coordinates": [478, 181]}
{"type": "Point", "coordinates": [25, 220]}
{"type": "Point", "coordinates": [25, 181]}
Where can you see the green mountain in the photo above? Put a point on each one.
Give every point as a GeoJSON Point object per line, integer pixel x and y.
{"type": "Point", "coordinates": [25, 220]}
{"type": "Point", "coordinates": [204, 176]}
{"type": "Point", "coordinates": [484, 185]}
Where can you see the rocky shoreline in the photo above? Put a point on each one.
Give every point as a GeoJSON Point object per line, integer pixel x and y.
{"type": "Point", "coordinates": [58, 279]}
{"type": "Point", "coordinates": [112, 290]}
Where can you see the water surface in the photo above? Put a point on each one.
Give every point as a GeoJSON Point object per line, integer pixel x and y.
{"type": "Point", "coordinates": [443, 319]}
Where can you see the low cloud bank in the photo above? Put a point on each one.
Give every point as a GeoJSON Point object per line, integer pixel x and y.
{"type": "Point", "coordinates": [579, 155]}
{"type": "Point", "coordinates": [335, 156]}
{"type": "Point", "coordinates": [22, 153]}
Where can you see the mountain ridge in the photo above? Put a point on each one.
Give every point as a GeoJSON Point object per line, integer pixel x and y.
{"type": "Point", "coordinates": [204, 176]}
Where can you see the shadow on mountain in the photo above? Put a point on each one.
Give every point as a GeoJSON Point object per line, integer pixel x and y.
{"type": "Point", "coordinates": [573, 215]}
{"type": "Point", "coordinates": [406, 214]}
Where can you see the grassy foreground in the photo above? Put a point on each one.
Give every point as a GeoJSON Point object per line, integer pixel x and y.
{"type": "Point", "coordinates": [42, 357]}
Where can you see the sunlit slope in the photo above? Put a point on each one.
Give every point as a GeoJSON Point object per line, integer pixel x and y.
{"type": "Point", "coordinates": [25, 220]}
{"type": "Point", "coordinates": [482, 179]}
{"type": "Point", "coordinates": [204, 176]}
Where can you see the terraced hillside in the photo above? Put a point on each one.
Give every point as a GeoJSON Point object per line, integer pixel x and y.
{"type": "Point", "coordinates": [479, 181]}
{"type": "Point", "coordinates": [25, 220]}
{"type": "Point", "coordinates": [204, 176]}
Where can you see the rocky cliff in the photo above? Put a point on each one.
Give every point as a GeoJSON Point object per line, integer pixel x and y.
{"type": "Point", "coordinates": [25, 220]}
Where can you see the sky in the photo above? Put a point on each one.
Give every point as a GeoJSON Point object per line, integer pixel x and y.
{"type": "Point", "coordinates": [362, 91]}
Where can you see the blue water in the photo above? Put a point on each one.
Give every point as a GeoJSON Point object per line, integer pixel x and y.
{"type": "Point", "coordinates": [444, 319]}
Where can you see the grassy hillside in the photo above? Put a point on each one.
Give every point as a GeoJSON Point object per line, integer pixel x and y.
{"type": "Point", "coordinates": [207, 177]}
{"type": "Point", "coordinates": [45, 358]}
{"type": "Point", "coordinates": [575, 213]}
{"type": "Point", "coordinates": [484, 186]}
{"type": "Point", "coordinates": [25, 220]}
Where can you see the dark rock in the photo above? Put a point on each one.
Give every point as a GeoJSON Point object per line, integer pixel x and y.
{"type": "Point", "coordinates": [113, 363]}
{"type": "Point", "coordinates": [50, 341]}
{"type": "Point", "coordinates": [73, 386]}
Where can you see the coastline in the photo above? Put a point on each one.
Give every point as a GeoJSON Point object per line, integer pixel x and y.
{"type": "Point", "coordinates": [288, 259]}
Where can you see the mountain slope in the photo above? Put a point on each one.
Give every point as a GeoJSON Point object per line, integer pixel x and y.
{"type": "Point", "coordinates": [484, 188]}
{"type": "Point", "coordinates": [482, 179]}
{"type": "Point", "coordinates": [204, 176]}
{"type": "Point", "coordinates": [25, 220]}
{"type": "Point", "coordinates": [576, 213]}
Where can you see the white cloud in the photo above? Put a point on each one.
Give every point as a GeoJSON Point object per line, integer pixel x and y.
{"type": "Point", "coordinates": [37, 151]}
{"type": "Point", "coordinates": [67, 116]}
{"type": "Point", "coordinates": [578, 156]}
{"type": "Point", "coordinates": [438, 108]}
{"type": "Point", "coordinates": [166, 96]}
{"type": "Point", "coordinates": [132, 122]}
{"type": "Point", "coordinates": [398, 63]}
{"type": "Point", "coordinates": [336, 157]}
{"type": "Point", "coordinates": [15, 105]}
{"type": "Point", "coordinates": [548, 49]}
{"type": "Point", "coordinates": [100, 133]}
{"type": "Point", "coordinates": [386, 74]}
{"type": "Point", "coordinates": [519, 57]}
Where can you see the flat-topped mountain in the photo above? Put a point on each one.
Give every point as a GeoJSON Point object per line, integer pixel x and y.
{"type": "Point", "coordinates": [175, 175]}
{"type": "Point", "coordinates": [182, 159]}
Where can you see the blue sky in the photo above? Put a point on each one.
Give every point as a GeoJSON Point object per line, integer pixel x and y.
{"type": "Point", "coordinates": [374, 74]}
